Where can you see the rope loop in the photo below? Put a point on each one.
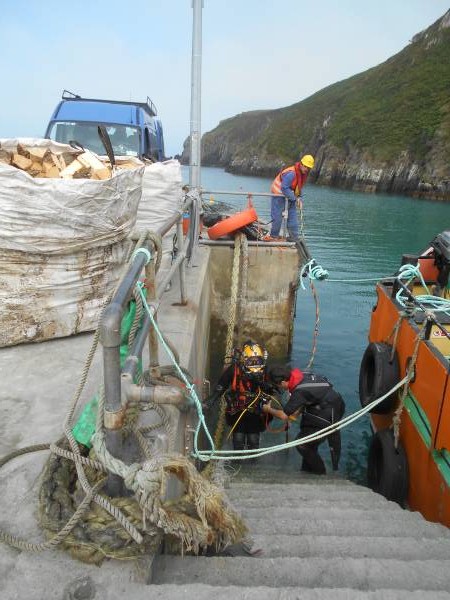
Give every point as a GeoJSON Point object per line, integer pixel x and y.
{"type": "Point", "coordinates": [314, 271]}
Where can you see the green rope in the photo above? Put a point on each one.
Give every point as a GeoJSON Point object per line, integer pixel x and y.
{"type": "Point", "coordinates": [409, 273]}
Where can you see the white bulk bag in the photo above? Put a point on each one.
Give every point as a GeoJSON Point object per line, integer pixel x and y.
{"type": "Point", "coordinates": [162, 197]}
{"type": "Point", "coordinates": [62, 247]}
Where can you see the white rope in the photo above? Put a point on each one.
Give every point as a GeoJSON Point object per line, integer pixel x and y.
{"type": "Point", "coordinates": [256, 453]}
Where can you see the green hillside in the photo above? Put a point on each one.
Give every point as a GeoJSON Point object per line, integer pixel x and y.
{"type": "Point", "coordinates": [394, 116]}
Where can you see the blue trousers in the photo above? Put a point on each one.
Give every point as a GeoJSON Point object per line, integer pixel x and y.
{"type": "Point", "coordinates": [276, 213]}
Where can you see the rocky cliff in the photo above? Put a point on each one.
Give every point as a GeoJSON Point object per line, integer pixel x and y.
{"type": "Point", "coordinates": [387, 129]}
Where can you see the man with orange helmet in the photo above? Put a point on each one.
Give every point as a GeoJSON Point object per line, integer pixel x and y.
{"type": "Point", "coordinates": [244, 385]}
{"type": "Point", "coordinates": [287, 186]}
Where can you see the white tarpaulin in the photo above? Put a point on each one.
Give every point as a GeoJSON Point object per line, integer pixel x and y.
{"type": "Point", "coordinates": [62, 247]}
{"type": "Point", "coordinates": [162, 197]}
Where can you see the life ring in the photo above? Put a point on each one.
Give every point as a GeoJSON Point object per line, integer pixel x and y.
{"type": "Point", "coordinates": [387, 467]}
{"type": "Point", "coordinates": [232, 223]}
{"type": "Point", "coordinates": [377, 375]}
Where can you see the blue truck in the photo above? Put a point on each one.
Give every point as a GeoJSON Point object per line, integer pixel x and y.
{"type": "Point", "coordinates": [133, 127]}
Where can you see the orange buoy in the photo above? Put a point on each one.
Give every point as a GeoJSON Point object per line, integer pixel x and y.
{"type": "Point", "coordinates": [230, 224]}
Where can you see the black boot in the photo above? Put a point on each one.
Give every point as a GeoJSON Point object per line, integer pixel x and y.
{"type": "Point", "coordinates": [253, 444]}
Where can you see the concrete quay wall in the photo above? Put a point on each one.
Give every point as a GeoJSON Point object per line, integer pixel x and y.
{"type": "Point", "coordinates": [266, 312]}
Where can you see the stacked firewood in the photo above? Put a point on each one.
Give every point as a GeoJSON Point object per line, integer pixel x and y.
{"type": "Point", "coordinates": [39, 161]}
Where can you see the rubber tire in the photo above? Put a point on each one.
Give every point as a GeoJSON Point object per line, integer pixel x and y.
{"type": "Point", "coordinates": [387, 467]}
{"type": "Point", "coordinates": [377, 375]}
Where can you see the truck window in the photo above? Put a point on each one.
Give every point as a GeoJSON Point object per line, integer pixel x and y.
{"type": "Point", "coordinates": [124, 140]}
{"type": "Point", "coordinates": [152, 143]}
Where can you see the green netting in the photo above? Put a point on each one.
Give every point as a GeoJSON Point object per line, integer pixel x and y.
{"type": "Point", "coordinates": [84, 428]}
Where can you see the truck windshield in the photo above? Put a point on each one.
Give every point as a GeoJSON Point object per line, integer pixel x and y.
{"type": "Point", "coordinates": [124, 139]}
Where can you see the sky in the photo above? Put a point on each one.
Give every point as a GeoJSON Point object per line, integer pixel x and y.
{"type": "Point", "coordinates": [257, 54]}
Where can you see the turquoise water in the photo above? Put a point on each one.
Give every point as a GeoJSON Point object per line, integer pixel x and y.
{"type": "Point", "coordinates": [352, 235]}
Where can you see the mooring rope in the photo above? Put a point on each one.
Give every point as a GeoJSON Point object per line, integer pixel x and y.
{"type": "Point", "coordinates": [396, 420]}
{"type": "Point", "coordinates": [316, 326]}
{"type": "Point", "coordinates": [256, 453]}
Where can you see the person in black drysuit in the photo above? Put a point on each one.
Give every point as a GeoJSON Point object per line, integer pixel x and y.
{"type": "Point", "coordinates": [319, 404]}
{"type": "Point", "coordinates": [245, 388]}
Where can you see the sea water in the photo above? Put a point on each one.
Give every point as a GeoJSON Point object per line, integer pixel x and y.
{"type": "Point", "coordinates": [353, 236]}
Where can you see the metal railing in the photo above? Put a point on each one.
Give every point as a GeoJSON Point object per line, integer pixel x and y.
{"type": "Point", "coordinates": [238, 193]}
{"type": "Point", "coordinates": [119, 386]}
{"type": "Point", "coordinates": [119, 383]}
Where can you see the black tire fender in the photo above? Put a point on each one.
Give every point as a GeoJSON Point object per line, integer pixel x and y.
{"type": "Point", "coordinates": [387, 467]}
{"type": "Point", "coordinates": [377, 375]}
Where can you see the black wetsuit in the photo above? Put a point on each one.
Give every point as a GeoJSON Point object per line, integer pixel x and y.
{"type": "Point", "coordinates": [321, 405]}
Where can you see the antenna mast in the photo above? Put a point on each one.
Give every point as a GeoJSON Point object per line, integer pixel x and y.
{"type": "Point", "coordinates": [196, 88]}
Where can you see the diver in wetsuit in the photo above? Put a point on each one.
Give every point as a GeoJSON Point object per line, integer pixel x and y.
{"type": "Point", "coordinates": [314, 397]}
{"type": "Point", "coordinates": [244, 385]}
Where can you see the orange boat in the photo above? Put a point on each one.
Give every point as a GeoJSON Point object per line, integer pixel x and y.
{"type": "Point", "coordinates": [409, 455]}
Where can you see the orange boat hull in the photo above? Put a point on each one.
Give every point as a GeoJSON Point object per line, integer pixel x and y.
{"type": "Point", "coordinates": [425, 419]}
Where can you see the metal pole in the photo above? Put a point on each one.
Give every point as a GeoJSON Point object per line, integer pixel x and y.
{"type": "Point", "coordinates": [196, 86]}
{"type": "Point", "coordinates": [182, 265]}
{"type": "Point", "coordinates": [113, 426]}
{"type": "Point", "coordinates": [237, 193]}
{"type": "Point", "coordinates": [150, 284]}
{"type": "Point", "coordinates": [284, 229]}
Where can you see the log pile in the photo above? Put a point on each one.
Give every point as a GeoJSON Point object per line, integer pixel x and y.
{"type": "Point", "coordinates": [42, 162]}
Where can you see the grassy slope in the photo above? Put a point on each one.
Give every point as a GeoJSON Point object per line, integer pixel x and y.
{"type": "Point", "coordinates": [395, 107]}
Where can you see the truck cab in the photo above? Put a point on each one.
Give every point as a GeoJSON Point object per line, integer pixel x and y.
{"type": "Point", "coordinates": [133, 127]}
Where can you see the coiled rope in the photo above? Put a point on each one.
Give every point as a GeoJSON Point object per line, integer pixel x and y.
{"type": "Point", "coordinates": [410, 272]}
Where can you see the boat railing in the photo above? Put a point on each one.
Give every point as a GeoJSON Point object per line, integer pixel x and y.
{"type": "Point", "coordinates": [238, 193]}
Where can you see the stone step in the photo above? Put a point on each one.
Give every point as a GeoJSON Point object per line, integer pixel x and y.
{"type": "Point", "coordinates": [286, 474]}
{"type": "Point", "coordinates": [288, 478]}
{"type": "Point", "coordinates": [208, 592]}
{"type": "Point", "coordinates": [272, 525]}
{"type": "Point", "coordinates": [331, 513]}
{"type": "Point", "coordinates": [360, 574]}
{"type": "Point", "coordinates": [307, 487]}
{"type": "Point", "coordinates": [370, 502]}
{"type": "Point", "coordinates": [304, 546]}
